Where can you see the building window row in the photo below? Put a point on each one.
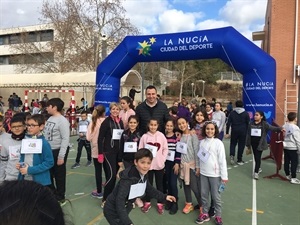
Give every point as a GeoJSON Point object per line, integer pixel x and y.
{"type": "Point", "coordinates": [27, 37]}
{"type": "Point", "coordinates": [45, 57]}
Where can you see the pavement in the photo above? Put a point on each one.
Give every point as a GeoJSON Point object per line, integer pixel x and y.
{"type": "Point", "coordinates": [245, 201]}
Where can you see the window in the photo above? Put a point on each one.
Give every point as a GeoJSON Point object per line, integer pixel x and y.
{"type": "Point", "coordinates": [14, 39]}
{"type": "Point", "coordinates": [15, 59]}
{"type": "Point", "coordinates": [47, 35]}
{"type": "Point", "coordinates": [2, 40]}
{"type": "Point", "coordinates": [3, 60]}
{"type": "Point", "coordinates": [31, 37]}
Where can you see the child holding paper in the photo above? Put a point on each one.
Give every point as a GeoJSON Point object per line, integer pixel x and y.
{"type": "Point", "coordinates": [82, 142]}
{"type": "Point", "coordinates": [36, 154]}
{"type": "Point", "coordinates": [157, 143]}
{"type": "Point", "coordinates": [133, 184]}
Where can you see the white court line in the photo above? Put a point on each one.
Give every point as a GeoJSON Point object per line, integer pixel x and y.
{"type": "Point", "coordinates": [254, 208]}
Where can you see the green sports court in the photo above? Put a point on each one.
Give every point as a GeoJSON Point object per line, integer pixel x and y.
{"type": "Point", "coordinates": [245, 201]}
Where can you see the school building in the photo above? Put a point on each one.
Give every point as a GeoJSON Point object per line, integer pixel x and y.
{"type": "Point", "coordinates": [280, 38]}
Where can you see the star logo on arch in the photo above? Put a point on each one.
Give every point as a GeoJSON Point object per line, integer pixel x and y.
{"type": "Point", "coordinates": [144, 47]}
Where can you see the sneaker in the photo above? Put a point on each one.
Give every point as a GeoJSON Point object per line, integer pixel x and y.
{"type": "Point", "coordinates": [202, 218]}
{"type": "Point", "coordinates": [232, 160]}
{"type": "Point", "coordinates": [160, 208]}
{"type": "Point", "coordinates": [218, 220]}
{"type": "Point", "coordinates": [146, 207]}
{"type": "Point", "coordinates": [62, 202]}
{"type": "Point", "coordinates": [295, 181]}
{"type": "Point", "coordinates": [256, 176]}
{"type": "Point", "coordinates": [89, 163]}
{"type": "Point", "coordinates": [102, 204]}
{"type": "Point", "coordinates": [174, 208]}
{"type": "Point", "coordinates": [288, 177]}
{"type": "Point", "coordinates": [76, 165]}
{"type": "Point", "coordinates": [259, 170]}
{"type": "Point", "coordinates": [188, 208]}
{"type": "Point", "coordinates": [211, 212]}
{"type": "Point", "coordinates": [240, 163]}
{"type": "Point", "coordinates": [139, 202]}
{"type": "Point", "coordinates": [97, 195]}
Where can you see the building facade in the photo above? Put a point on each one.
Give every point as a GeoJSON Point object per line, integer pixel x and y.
{"type": "Point", "coordinates": [280, 38]}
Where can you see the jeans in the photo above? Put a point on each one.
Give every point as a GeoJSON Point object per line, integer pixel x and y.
{"type": "Point", "coordinates": [87, 146]}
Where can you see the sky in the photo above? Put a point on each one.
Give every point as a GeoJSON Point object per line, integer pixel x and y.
{"type": "Point", "coordinates": [160, 16]}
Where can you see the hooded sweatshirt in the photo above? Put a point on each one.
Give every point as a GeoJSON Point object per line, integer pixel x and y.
{"type": "Point", "coordinates": [292, 137]}
{"type": "Point", "coordinates": [238, 120]}
{"type": "Point", "coordinates": [117, 203]}
{"type": "Point", "coordinates": [158, 139]}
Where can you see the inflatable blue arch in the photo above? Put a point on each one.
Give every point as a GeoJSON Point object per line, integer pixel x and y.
{"type": "Point", "coordinates": [257, 67]}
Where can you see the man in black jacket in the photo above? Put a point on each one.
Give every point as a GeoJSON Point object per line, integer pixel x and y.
{"type": "Point", "coordinates": [152, 108]}
{"type": "Point", "coordinates": [238, 120]}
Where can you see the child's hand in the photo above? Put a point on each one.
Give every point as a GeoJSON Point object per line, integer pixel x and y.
{"type": "Point", "coordinates": [197, 172]}
{"type": "Point", "coordinates": [18, 166]}
{"type": "Point", "coordinates": [24, 170]}
{"type": "Point", "coordinates": [224, 181]}
{"type": "Point", "coordinates": [170, 198]}
{"type": "Point", "coordinates": [176, 168]}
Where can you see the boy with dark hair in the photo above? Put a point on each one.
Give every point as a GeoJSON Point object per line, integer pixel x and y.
{"type": "Point", "coordinates": [133, 184]}
{"type": "Point", "coordinates": [11, 148]}
{"type": "Point", "coordinates": [291, 146]}
{"type": "Point", "coordinates": [57, 133]}
{"type": "Point", "coordinates": [81, 130]}
{"type": "Point", "coordinates": [36, 155]}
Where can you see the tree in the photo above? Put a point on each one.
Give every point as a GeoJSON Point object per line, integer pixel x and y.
{"type": "Point", "coordinates": [81, 29]}
{"type": "Point", "coordinates": [186, 71]}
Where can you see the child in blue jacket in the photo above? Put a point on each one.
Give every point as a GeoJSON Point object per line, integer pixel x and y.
{"type": "Point", "coordinates": [36, 154]}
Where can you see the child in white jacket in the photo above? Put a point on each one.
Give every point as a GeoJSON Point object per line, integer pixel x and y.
{"type": "Point", "coordinates": [291, 146]}
{"type": "Point", "coordinates": [213, 171]}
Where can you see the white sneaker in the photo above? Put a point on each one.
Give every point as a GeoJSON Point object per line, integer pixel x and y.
{"type": "Point", "coordinates": [256, 176]}
{"type": "Point", "coordinates": [288, 177]}
{"type": "Point", "coordinates": [259, 170]}
{"type": "Point", "coordinates": [295, 181]}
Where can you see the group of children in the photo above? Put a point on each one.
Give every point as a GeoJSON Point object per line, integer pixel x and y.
{"type": "Point", "coordinates": [137, 159]}
{"type": "Point", "coordinates": [188, 151]}
{"type": "Point", "coordinates": [36, 149]}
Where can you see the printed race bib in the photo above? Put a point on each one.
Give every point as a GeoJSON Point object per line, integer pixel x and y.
{"type": "Point", "coordinates": [203, 154]}
{"type": "Point", "coordinates": [83, 129]}
{"type": "Point", "coordinates": [130, 147]}
{"type": "Point", "coordinates": [152, 148]}
{"type": "Point", "coordinates": [137, 190]}
{"type": "Point", "coordinates": [117, 133]}
{"type": "Point", "coordinates": [14, 152]}
{"type": "Point", "coordinates": [181, 147]}
{"type": "Point", "coordinates": [31, 146]}
{"type": "Point", "coordinates": [171, 155]}
{"type": "Point", "coordinates": [255, 132]}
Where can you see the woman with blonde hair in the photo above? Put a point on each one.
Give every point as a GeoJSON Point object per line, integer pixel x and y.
{"type": "Point", "coordinates": [92, 135]}
{"type": "Point", "coordinates": [109, 147]}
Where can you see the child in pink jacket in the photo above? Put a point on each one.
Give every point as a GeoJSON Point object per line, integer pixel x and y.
{"type": "Point", "coordinates": [157, 143]}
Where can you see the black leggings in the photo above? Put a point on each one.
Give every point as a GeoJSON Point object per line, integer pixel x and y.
{"type": "Point", "coordinates": [159, 174]}
{"type": "Point", "coordinates": [98, 174]}
{"type": "Point", "coordinates": [111, 167]}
